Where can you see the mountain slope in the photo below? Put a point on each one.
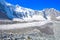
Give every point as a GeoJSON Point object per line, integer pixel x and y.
{"type": "Point", "coordinates": [16, 12]}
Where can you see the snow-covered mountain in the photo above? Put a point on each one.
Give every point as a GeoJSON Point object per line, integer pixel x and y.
{"type": "Point", "coordinates": [46, 21]}
{"type": "Point", "coordinates": [17, 13]}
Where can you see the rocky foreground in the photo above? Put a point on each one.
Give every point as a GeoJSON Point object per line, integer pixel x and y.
{"type": "Point", "coordinates": [32, 34]}
{"type": "Point", "coordinates": [44, 32]}
{"type": "Point", "coordinates": [49, 31]}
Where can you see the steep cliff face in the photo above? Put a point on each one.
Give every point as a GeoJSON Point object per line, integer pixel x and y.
{"type": "Point", "coordinates": [5, 10]}
{"type": "Point", "coordinates": [2, 11]}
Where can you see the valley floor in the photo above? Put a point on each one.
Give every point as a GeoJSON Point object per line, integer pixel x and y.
{"type": "Point", "coordinates": [31, 31]}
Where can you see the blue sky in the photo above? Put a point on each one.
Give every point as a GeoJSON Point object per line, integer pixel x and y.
{"type": "Point", "coordinates": [37, 4]}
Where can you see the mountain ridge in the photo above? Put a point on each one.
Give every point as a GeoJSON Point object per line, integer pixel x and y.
{"type": "Point", "coordinates": [15, 11]}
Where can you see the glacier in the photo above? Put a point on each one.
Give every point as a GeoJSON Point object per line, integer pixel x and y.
{"type": "Point", "coordinates": [15, 18]}
{"type": "Point", "coordinates": [12, 15]}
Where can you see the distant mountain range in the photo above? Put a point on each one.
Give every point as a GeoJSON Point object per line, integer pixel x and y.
{"type": "Point", "coordinates": [9, 11]}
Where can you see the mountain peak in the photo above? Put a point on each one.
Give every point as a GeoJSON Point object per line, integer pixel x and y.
{"type": "Point", "coordinates": [16, 11]}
